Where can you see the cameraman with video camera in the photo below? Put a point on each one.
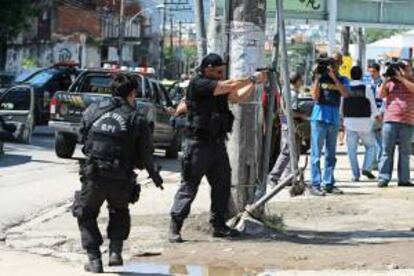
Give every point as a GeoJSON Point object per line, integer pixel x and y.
{"type": "Point", "coordinates": [327, 89]}
{"type": "Point", "coordinates": [398, 93]}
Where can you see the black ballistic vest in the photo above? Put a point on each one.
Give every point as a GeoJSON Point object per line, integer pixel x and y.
{"type": "Point", "coordinates": [357, 105]}
{"type": "Point", "coordinates": [110, 144]}
{"type": "Point", "coordinates": [328, 96]}
{"type": "Point", "coordinates": [209, 118]}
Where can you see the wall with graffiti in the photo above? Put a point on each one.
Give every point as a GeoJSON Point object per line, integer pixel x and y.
{"type": "Point", "coordinates": [47, 54]}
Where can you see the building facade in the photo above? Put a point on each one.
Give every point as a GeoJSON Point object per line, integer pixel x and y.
{"type": "Point", "coordinates": [84, 32]}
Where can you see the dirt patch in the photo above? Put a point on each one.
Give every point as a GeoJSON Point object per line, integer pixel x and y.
{"type": "Point", "coordinates": [360, 230]}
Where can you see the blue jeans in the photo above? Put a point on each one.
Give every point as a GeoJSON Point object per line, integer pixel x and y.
{"type": "Point", "coordinates": [352, 144]}
{"type": "Point", "coordinates": [323, 134]}
{"type": "Point", "coordinates": [391, 134]}
{"type": "Point", "coordinates": [378, 145]}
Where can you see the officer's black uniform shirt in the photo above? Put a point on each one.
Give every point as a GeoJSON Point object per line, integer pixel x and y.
{"type": "Point", "coordinates": [202, 102]}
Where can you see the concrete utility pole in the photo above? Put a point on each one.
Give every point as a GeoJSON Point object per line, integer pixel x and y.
{"type": "Point", "coordinates": [201, 29]}
{"type": "Point", "coordinates": [217, 40]}
{"type": "Point", "coordinates": [82, 38]}
{"type": "Point", "coordinates": [332, 11]}
{"type": "Point", "coordinates": [362, 48]}
{"type": "Point", "coordinates": [171, 35]}
{"type": "Point", "coordinates": [247, 35]}
{"type": "Point", "coordinates": [180, 59]}
{"type": "Point", "coordinates": [162, 42]}
{"type": "Point", "coordinates": [121, 32]}
{"type": "Point", "coordinates": [346, 39]}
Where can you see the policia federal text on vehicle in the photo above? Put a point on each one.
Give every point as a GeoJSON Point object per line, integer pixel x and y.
{"type": "Point", "coordinates": [117, 140]}
{"type": "Point", "coordinates": [208, 122]}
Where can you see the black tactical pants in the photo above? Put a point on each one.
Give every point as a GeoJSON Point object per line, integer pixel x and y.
{"type": "Point", "coordinates": [86, 208]}
{"type": "Point", "coordinates": [210, 159]}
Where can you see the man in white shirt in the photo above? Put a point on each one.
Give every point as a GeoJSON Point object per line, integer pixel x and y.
{"type": "Point", "coordinates": [376, 81]}
{"type": "Point", "coordinates": [359, 112]}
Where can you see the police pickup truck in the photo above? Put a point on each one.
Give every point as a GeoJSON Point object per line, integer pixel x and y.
{"type": "Point", "coordinates": [94, 85]}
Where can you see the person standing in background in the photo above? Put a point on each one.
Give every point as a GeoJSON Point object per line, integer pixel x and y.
{"type": "Point", "coordinates": [327, 90]}
{"type": "Point", "coordinates": [398, 126]}
{"type": "Point", "coordinates": [359, 111]}
{"type": "Point", "coordinates": [376, 81]}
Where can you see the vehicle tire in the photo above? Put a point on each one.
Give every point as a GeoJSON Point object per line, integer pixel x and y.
{"type": "Point", "coordinates": [27, 135]}
{"type": "Point", "coordinates": [64, 145]}
{"type": "Point", "coordinates": [174, 148]}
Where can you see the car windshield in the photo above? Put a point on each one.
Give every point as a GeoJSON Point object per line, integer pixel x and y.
{"type": "Point", "coordinates": [41, 77]}
{"type": "Point", "coordinates": [15, 99]}
{"type": "Point", "coordinates": [26, 74]}
{"type": "Point", "coordinates": [97, 84]}
{"type": "Point", "coordinates": [100, 83]}
{"type": "Point", "coordinates": [6, 81]}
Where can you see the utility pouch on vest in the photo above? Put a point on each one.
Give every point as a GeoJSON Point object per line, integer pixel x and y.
{"type": "Point", "coordinates": [216, 124]}
{"type": "Point", "coordinates": [220, 122]}
{"type": "Point", "coordinates": [86, 170]}
{"type": "Point", "coordinates": [110, 169]}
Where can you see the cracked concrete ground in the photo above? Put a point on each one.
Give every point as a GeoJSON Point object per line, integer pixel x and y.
{"type": "Point", "coordinates": [367, 231]}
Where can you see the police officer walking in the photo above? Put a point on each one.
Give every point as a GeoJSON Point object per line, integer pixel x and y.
{"type": "Point", "coordinates": [208, 122]}
{"type": "Point", "coordinates": [117, 140]}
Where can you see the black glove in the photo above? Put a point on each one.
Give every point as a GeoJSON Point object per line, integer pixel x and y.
{"type": "Point", "coordinates": [135, 193]}
{"type": "Point", "coordinates": [157, 179]}
{"type": "Point", "coordinates": [154, 174]}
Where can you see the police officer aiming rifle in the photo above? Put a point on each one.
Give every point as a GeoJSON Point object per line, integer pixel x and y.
{"type": "Point", "coordinates": [208, 122]}
{"type": "Point", "coordinates": [117, 140]}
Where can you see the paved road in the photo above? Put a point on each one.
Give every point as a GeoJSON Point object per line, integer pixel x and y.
{"type": "Point", "coordinates": [32, 178]}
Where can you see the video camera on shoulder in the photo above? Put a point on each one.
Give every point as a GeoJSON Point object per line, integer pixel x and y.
{"type": "Point", "coordinates": [323, 64]}
{"type": "Point", "coordinates": [392, 68]}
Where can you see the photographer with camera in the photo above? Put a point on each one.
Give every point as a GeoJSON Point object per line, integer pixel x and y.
{"type": "Point", "coordinates": [327, 89]}
{"type": "Point", "coordinates": [398, 93]}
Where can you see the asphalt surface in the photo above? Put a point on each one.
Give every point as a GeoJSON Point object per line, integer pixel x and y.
{"type": "Point", "coordinates": [33, 178]}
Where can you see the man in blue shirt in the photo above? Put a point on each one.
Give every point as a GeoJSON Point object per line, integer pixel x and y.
{"type": "Point", "coordinates": [327, 90]}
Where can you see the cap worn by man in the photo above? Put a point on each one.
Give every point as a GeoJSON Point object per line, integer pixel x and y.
{"type": "Point", "coordinates": [211, 60]}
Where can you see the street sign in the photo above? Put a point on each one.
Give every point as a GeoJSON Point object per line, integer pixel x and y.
{"type": "Point", "coordinates": [300, 9]}
{"type": "Point", "coordinates": [351, 12]}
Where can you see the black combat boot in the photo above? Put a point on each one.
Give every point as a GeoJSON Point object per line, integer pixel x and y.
{"type": "Point", "coordinates": [174, 235]}
{"type": "Point", "coordinates": [115, 253]}
{"type": "Point", "coordinates": [94, 264]}
{"type": "Point", "coordinates": [223, 231]}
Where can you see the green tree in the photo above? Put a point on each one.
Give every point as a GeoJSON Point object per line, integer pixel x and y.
{"type": "Point", "coordinates": [374, 34]}
{"type": "Point", "coordinates": [188, 54]}
{"type": "Point", "coordinates": [14, 17]}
